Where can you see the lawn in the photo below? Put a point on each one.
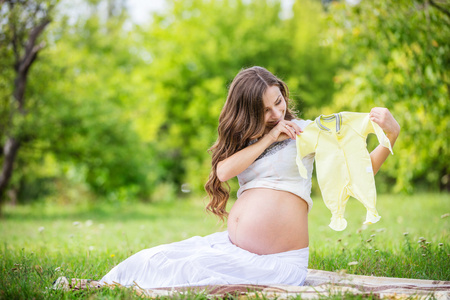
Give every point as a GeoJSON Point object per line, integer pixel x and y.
{"type": "Point", "coordinates": [43, 241]}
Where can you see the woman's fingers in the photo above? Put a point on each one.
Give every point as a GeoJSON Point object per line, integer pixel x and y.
{"type": "Point", "coordinates": [292, 129]}
{"type": "Point", "coordinates": [286, 129]}
{"type": "Point", "coordinates": [383, 117]}
{"type": "Point", "coordinates": [297, 129]}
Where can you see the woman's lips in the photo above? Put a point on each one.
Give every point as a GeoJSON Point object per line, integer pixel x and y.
{"type": "Point", "coordinates": [273, 124]}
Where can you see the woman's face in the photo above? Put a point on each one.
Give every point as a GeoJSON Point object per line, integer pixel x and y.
{"type": "Point", "coordinates": [274, 107]}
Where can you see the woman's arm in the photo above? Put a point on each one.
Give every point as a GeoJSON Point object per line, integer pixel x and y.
{"type": "Point", "coordinates": [241, 160]}
{"type": "Point", "coordinates": [383, 117]}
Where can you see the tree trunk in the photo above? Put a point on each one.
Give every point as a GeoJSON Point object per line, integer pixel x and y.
{"type": "Point", "coordinates": [9, 155]}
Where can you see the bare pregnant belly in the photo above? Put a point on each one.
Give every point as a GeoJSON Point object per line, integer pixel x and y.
{"type": "Point", "coordinates": [266, 221]}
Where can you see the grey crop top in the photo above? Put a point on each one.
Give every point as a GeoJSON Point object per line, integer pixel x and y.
{"type": "Point", "coordinates": [276, 169]}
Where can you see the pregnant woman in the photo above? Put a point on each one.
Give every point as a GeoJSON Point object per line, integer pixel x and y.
{"type": "Point", "coordinates": [267, 237]}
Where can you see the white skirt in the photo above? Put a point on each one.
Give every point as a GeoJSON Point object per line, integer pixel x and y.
{"type": "Point", "coordinates": [208, 260]}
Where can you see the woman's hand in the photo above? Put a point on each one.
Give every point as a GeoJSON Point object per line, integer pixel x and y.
{"type": "Point", "coordinates": [284, 130]}
{"type": "Point", "coordinates": [383, 117]}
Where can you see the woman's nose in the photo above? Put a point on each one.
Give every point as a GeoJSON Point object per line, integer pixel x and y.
{"type": "Point", "coordinates": [276, 114]}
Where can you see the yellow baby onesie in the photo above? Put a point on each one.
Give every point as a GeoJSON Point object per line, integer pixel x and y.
{"type": "Point", "coordinates": [343, 163]}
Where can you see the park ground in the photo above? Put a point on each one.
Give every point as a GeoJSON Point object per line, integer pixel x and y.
{"type": "Point", "coordinates": [43, 241]}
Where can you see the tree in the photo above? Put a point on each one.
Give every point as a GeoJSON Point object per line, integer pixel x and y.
{"type": "Point", "coordinates": [24, 23]}
{"type": "Point", "coordinates": [78, 122]}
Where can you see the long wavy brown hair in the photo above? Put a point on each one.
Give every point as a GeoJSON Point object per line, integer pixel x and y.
{"type": "Point", "coordinates": [241, 120]}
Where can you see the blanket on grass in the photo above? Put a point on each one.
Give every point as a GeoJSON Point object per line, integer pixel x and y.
{"type": "Point", "coordinates": [318, 284]}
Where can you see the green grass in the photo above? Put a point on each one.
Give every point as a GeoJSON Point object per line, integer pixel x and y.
{"type": "Point", "coordinates": [44, 241]}
{"type": "Point", "coordinates": [412, 239]}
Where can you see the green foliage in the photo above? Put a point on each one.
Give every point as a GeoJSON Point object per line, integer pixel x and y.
{"type": "Point", "coordinates": [197, 47]}
{"type": "Point", "coordinates": [398, 56]}
{"type": "Point", "coordinates": [127, 111]}
{"type": "Point", "coordinates": [312, 62]}
{"type": "Point", "coordinates": [6, 73]}
{"type": "Point", "coordinates": [82, 122]}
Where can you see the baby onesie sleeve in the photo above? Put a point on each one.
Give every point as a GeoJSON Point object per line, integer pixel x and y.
{"type": "Point", "coordinates": [306, 143]}
{"type": "Point", "coordinates": [367, 126]}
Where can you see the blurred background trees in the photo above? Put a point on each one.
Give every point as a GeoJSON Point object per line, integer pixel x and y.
{"type": "Point", "coordinates": [397, 54]}
{"type": "Point", "coordinates": [124, 111]}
